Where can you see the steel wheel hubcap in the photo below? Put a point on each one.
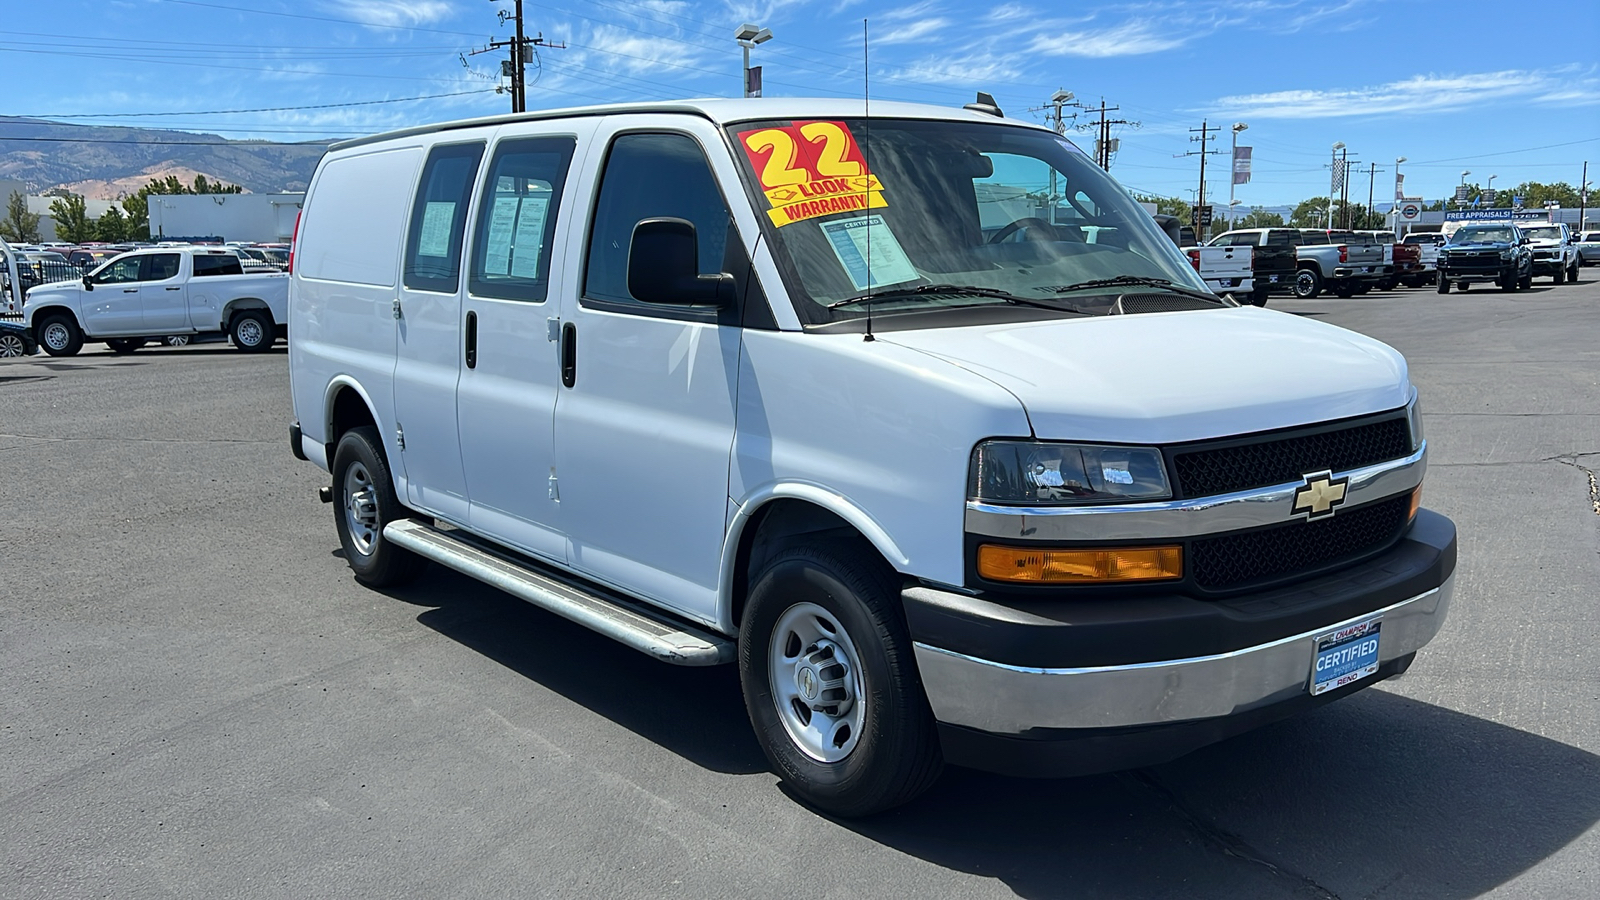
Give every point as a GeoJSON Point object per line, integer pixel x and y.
{"type": "Point", "coordinates": [11, 345]}
{"type": "Point", "coordinates": [249, 332]}
{"type": "Point", "coordinates": [360, 508]}
{"type": "Point", "coordinates": [56, 336]}
{"type": "Point", "coordinates": [816, 682]}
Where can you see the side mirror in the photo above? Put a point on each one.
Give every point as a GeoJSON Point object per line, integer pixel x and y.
{"type": "Point", "coordinates": [88, 285]}
{"type": "Point", "coordinates": [664, 266]}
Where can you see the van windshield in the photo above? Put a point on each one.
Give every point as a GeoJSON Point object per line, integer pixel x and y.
{"type": "Point", "coordinates": [1008, 213]}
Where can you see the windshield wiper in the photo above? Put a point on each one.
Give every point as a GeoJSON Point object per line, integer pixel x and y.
{"type": "Point", "coordinates": [1121, 280]}
{"type": "Point", "coordinates": [956, 289]}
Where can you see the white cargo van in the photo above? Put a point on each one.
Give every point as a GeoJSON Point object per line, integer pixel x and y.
{"type": "Point", "coordinates": [954, 466]}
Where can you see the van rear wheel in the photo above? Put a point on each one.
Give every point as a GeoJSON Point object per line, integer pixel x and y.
{"type": "Point", "coordinates": [364, 502]}
{"type": "Point", "coordinates": [830, 682]}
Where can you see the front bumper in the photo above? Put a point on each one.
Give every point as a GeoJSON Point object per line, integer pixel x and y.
{"type": "Point", "coordinates": [1548, 265]}
{"type": "Point", "coordinates": [1139, 698]}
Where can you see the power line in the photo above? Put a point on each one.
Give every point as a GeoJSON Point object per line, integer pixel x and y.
{"type": "Point", "coordinates": [229, 112]}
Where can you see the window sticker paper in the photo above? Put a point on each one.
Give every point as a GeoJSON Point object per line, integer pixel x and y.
{"type": "Point", "coordinates": [852, 239]}
{"type": "Point", "coordinates": [811, 169]}
{"type": "Point", "coordinates": [437, 217]}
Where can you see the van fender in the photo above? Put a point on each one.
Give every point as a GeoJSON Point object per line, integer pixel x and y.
{"type": "Point", "coordinates": [819, 496]}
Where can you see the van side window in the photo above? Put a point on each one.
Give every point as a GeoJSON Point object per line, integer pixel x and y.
{"type": "Point", "coordinates": [517, 218]}
{"type": "Point", "coordinates": [646, 176]}
{"type": "Point", "coordinates": [439, 218]}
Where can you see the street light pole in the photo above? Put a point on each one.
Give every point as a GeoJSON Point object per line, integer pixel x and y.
{"type": "Point", "coordinates": [1233, 165]}
{"type": "Point", "coordinates": [749, 36]}
{"type": "Point", "coordinates": [1394, 209]}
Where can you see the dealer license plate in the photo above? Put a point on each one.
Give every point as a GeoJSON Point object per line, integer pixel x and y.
{"type": "Point", "coordinates": [1345, 656]}
{"type": "Point", "coordinates": [1272, 278]}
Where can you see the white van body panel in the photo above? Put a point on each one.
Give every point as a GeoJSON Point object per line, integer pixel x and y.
{"type": "Point", "coordinates": [347, 265]}
{"type": "Point", "coordinates": [885, 429]}
{"type": "Point", "coordinates": [506, 403]}
{"type": "Point", "coordinates": [1079, 380]}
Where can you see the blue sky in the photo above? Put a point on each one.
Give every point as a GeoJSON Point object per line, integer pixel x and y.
{"type": "Point", "coordinates": [1388, 78]}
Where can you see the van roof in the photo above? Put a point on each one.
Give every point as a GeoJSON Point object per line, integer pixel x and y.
{"type": "Point", "coordinates": [720, 111]}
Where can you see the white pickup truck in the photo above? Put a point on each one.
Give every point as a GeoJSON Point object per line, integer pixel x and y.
{"type": "Point", "coordinates": [153, 294]}
{"type": "Point", "coordinates": [1226, 270]}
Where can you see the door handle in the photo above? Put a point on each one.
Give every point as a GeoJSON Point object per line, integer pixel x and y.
{"type": "Point", "coordinates": [175, 289]}
{"type": "Point", "coordinates": [569, 354]}
{"type": "Point", "coordinates": [130, 290]}
{"type": "Point", "coordinates": [472, 340]}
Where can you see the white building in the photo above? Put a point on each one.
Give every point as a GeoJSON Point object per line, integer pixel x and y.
{"type": "Point", "coordinates": [264, 218]}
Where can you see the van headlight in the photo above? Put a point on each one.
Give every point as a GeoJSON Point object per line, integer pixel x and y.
{"type": "Point", "coordinates": [1414, 420]}
{"type": "Point", "coordinates": [1029, 472]}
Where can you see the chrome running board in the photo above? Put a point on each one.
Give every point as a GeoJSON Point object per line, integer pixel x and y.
{"type": "Point", "coordinates": [626, 621]}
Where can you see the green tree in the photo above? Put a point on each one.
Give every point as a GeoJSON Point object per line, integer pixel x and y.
{"type": "Point", "coordinates": [19, 225]}
{"type": "Point", "coordinates": [113, 226]}
{"type": "Point", "coordinates": [72, 219]}
{"type": "Point", "coordinates": [1312, 213]}
{"type": "Point", "coordinates": [1260, 218]}
{"type": "Point", "coordinates": [1168, 206]}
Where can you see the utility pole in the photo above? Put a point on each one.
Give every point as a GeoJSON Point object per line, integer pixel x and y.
{"type": "Point", "coordinates": [1058, 124]}
{"type": "Point", "coordinates": [521, 48]}
{"type": "Point", "coordinates": [1583, 195]}
{"type": "Point", "coordinates": [1204, 132]}
{"type": "Point", "coordinates": [1103, 146]}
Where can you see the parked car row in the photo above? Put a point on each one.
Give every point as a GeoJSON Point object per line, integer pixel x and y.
{"type": "Point", "coordinates": [1509, 256]}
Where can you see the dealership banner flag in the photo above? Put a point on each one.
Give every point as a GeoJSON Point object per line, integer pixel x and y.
{"type": "Point", "coordinates": [1241, 165]}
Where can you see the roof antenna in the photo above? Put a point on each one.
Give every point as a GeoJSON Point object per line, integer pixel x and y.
{"type": "Point", "coordinates": [866, 142]}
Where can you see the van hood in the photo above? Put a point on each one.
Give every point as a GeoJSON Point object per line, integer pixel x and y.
{"type": "Point", "coordinates": [1159, 378]}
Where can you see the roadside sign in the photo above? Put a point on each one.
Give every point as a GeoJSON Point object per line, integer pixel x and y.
{"type": "Point", "coordinates": [1410, 211]}
{"type": "Point", "coordinates": [1200, 217]}
{"type": "Point", "coordinates": [752, 81]}
{"type": "Point", "coordinates": [1461, 193]}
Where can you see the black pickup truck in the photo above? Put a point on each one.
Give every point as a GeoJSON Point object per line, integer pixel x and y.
{"type": "Point", "coordinates": [1273, 261]}
{"type": "Point", "coordinates": [1496, 253]}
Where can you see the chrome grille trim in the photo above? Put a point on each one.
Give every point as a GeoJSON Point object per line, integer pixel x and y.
{"type": "Point", "coordinates": [1186, 518]}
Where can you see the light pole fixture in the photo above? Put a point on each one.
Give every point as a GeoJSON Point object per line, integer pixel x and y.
{"type": "Point", "coordinates": [1233, 164]}
{"type": "Point", "coordinates": [748, 36]}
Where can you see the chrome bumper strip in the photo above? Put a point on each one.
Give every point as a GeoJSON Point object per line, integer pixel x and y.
{"type": "Point", "coordinates": [1186, 518]}
{"type": "Point", "coordinates": [1008, 699]}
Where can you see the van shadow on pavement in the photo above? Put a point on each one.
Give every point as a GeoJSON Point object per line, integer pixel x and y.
{"type": "Point", "coordinates": [697, 713]}
{"type": "Point", "coordinates": [1375, 794]}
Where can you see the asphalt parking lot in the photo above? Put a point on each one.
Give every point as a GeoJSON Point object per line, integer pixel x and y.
{"type": "Point", "coordinates": [197, 700]}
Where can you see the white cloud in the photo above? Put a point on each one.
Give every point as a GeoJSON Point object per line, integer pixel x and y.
{"type": "Point", "coordinates": [965, 70]}
{"type": "Point", "coordinates": [1128, 39]}
{"type": "Point", "coordinates": [392, 12]}
{"type": "Point", "coordinates": [911, 31]}
{"type": "Point", "coordinates": [1417, 94]}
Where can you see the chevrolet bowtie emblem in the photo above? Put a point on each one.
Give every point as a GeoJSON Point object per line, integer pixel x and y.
{"type": "Point", "coordinates": [1321, 495]}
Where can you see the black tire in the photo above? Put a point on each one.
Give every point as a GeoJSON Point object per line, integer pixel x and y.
{"type": "Point", "coordinates": [1524, 282]}
{"type": "Point", "coordinates": [1258, 297]}
{"type": "Point", "coordinates": [1307, 284]}
{"type": "Point", "coordinates": [375, 561]}
{"type": "Point", "coordinates": [1560, 276]}
{"type": "Point", "coordinates": [252, 331]}
{"type": "Point", "coordinates": [895, 755]}
{"type": "Point", "coordinates": [59, 335]}
{"type": "Point", "coordinates": [1507, 282]}
{"type": "Point", "coordinates": [12, 345]}
{"type": "Point", "coordinates": [1572, 273]}
{"type": "Point", "coordinates": [124, 346]}
{"type": "Point", "coordinates": [1444, 286]}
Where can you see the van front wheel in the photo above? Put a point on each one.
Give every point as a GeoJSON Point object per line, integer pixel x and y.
{"type": "Point", "coordinates": [364, 502]}
{"type": "Point", "coordinates": [830, 682]}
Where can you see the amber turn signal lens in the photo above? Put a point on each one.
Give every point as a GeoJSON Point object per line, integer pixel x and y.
{"type": "Point", "coordinates": [1416, 503]}
{"type": "Point", "coordinates": [1037, 565]}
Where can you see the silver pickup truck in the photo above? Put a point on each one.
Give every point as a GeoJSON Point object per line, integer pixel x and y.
{"type": "Point", "coordinates": [1341, 261]}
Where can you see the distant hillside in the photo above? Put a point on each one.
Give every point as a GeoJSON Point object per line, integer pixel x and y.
{"type": "Point", "coordinates": [76, 154]}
